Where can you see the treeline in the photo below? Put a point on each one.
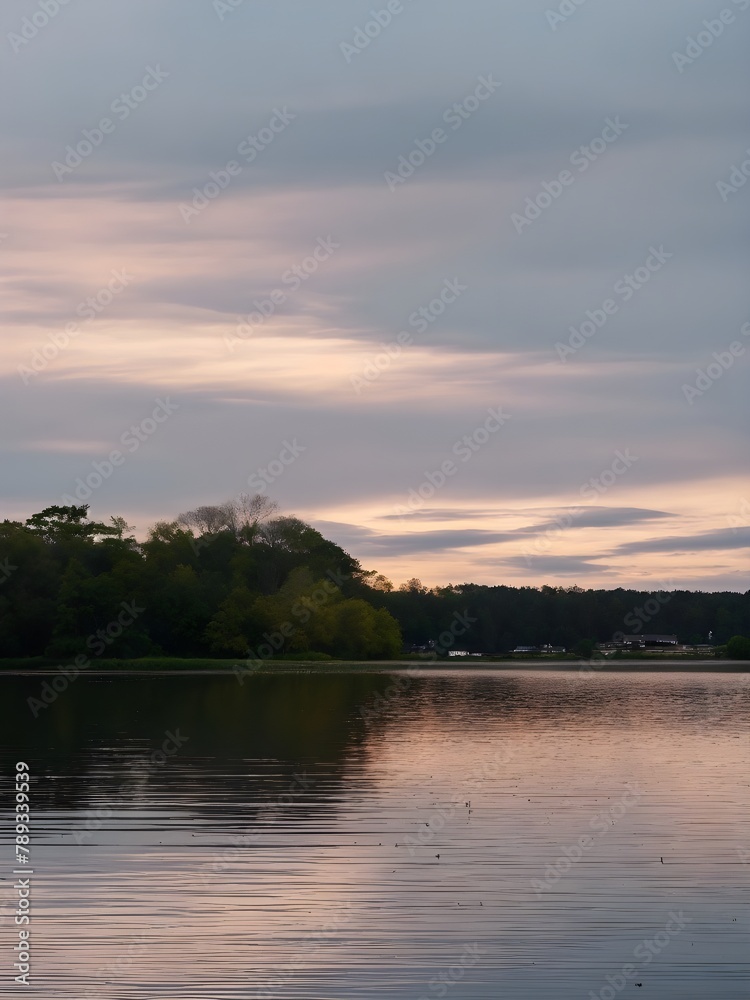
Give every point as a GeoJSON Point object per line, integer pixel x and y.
{"type": "Point", "coordinates": [565, 616]}
{"type": "Point", "coordinates": [239, 580]}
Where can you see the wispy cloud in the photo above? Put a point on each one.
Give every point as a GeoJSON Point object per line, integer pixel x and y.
{"type": "Point", "coordinates": [323, 177]}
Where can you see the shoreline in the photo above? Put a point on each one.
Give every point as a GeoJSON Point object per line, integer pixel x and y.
{"type": "Point", "coordinates": [404, 666]}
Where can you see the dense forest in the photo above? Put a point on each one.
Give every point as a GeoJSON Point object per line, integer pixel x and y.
{"type": "Point", "coordinates": [239, 580]}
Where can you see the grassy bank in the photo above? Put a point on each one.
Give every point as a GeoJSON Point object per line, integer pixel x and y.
{"type": "Point", "coordinates": [158, 664]}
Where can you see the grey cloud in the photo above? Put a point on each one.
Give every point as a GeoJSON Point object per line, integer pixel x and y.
{"type": "Point", "coordinates": [727, 538]}
{"type": "Point", "coordinates": [371, 544]}
{"type": "Point", "coordinates": [567, 566]}
{"type": "Point", "coordinates": [601, 517]}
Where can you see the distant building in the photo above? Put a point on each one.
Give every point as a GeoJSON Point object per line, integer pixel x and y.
{"type": "Point", "coordinates": [540, 650]}
{"type": "Point", "coordinates": [651, 641]}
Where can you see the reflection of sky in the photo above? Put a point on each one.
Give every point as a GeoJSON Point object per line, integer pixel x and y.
{"type": "Point", "coordinates": [336, 899]}
{"type": "Point", "coordinates": [323, 176]}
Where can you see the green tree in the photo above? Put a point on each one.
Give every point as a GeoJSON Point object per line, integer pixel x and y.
{"type": "Point", "coordinates": [388, 639]}
{"type": "Point", "coordinates": [738, 648]}
{"type": "Point", "coordinates": [584, 648]}
{"type": "Point", "coordinates": [76, 612]}
{"type": "Point", "coordinates": [60, 523]}
{"type": "Point", "coordinates": [231, 628]}
{"type": "Point", "coordinates": [361, 633]}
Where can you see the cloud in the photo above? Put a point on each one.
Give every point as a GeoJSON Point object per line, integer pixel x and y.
{"type": "Point", "coordinates": [599, 517]}
{"type": "Point", "coordinates": [324, 175]}
{"type": "Point", "coordinates": [558, 566]}
{"type": "Point", "coordinates": [376, 544]}
{"type": "Point", "coordinates": [726, 538]}
{"type": "Point", "coordinates": [449, 514]}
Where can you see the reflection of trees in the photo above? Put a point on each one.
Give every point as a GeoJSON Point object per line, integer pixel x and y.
{"type": "Point", "coordinates": [277, 748]}
{"type": "Point", "coordinates": [247, 745]}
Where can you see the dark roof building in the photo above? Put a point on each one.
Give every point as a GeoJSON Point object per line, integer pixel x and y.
{"type": "Point", "coordinates": [652, 640]}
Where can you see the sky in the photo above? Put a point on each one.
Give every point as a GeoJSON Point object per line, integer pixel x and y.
{"type": "Point", "coordinates": [464, 285]}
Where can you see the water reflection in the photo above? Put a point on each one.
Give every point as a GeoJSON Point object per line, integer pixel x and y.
{"type": "Point", "coordinates": [465, 835]}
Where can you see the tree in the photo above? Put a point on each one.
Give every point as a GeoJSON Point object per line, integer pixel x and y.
{"type": "Point", "coordinates": [246, 513]}
{"type": "Point", "coordinates": [169, 545]}
{"type": "Point", "coordinates": [290, 534]}
{"type": "Point", "coordinates": [75, 619]}
{"type": "Point", "coordinates": [242, 516]}
{"type": "Point", "coordinates": [584, 648]}
{"type": "Point", "coordinates": [360, 632]}
{"type": "Point", "coordinates": [738, 648]}
{"type": "Point", "coordinates": [119, 527]}
{"type": "Point", "coordinates": [61, 523]}
{"type": "Point", "coordinates": [207, 520]}
{"type": "Point", "coordinates": [230, 629]}
{"type": "Point", "coordinates": [300, 616]}
{"type": "Point", "coordinates": [388, 639]}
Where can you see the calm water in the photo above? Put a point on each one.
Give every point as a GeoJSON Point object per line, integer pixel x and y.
{"type": "Point", "coordinates": [315, 837]}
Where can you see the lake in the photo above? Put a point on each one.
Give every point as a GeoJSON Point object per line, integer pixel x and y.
{"type": "Point", "coordinates": [461, 834]}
